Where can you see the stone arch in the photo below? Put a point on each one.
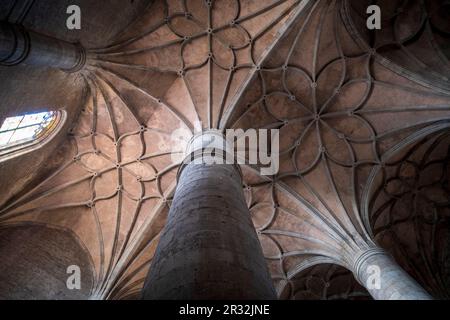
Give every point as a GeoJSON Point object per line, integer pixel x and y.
{"type": "Point", "coordinates": [47, 136]}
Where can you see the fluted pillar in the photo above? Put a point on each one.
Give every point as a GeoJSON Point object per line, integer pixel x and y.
{"type": "Point", "coordinates": [19, 46]}
{"type": "Point", "coordinates": [385, 279]}
{"type": "Point", "coordinates": [209, 248]}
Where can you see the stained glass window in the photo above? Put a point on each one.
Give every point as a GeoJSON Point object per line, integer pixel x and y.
{"type": "Point", "coordinates": [25, 128]}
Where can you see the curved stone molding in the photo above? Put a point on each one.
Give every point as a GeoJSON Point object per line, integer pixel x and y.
{"type": "Point", "coordinates": [384, 278]}
{"type": "Point", "coordinates": [341, 112]}
{"type": "Point", "coordinates": [20, 46]}
{"type": "Point", "coordinates": [406, 42]}
{"type": "Point", "coordinates": [35, 262]}
{"type": "Point", "coordinates": [324, 282]}
{"type": "Point", "coordinates": [409, 210]}
{"type": "Point", "coordinates": [361, 259]}
{"type": "Point", "coordinates": [23, 149]}
{"type": "Point", "coordinates": [209, 248]}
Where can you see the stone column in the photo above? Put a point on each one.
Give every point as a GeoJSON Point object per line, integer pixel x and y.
{"type": "Point", "coordinates": [385, 279]}
{"type": "Point", "coordinates": [209, 248]}
{"type": "Point", "coordinates": [19, 46]}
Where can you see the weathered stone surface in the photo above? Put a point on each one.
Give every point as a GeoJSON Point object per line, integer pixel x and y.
{"type": "Point", "coordinates": [385, 280]}
{"type": "Point", "coordinates": [347, 102]}
{"type": "Point", "coordinates": [209, 248]}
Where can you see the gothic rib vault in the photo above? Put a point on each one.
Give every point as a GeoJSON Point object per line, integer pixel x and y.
{"type": "Point", "coordinates": [362, 117]}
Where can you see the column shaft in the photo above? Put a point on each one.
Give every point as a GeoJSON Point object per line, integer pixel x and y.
{"type": "Point", "coordinates": [18, 46]}
{"type": "Point", "coordinates": [209, 248]}
{"type": "Point", "coordinates": [385, 279]}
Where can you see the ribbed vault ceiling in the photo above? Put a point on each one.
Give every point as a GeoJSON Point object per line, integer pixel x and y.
{"type": "Point", "coordinates": [348, 104]}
